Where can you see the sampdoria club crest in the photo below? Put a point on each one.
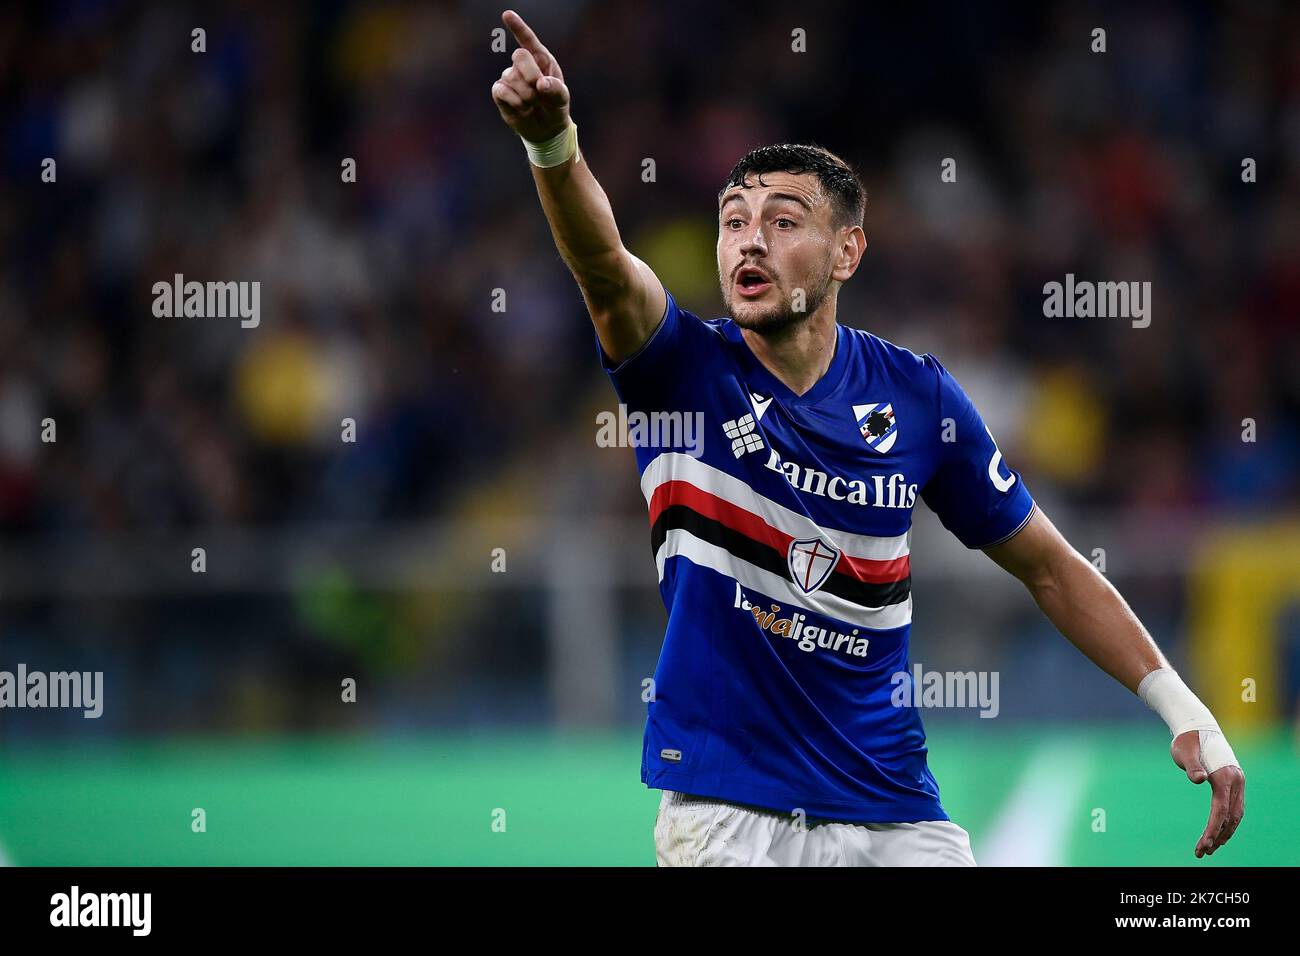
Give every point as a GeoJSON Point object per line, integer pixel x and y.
{"type": "Point", "coordinates": [877, 425]}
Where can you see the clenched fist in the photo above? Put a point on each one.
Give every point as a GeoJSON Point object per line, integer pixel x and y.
{"type": "Point", "coordinates": [531, 95]}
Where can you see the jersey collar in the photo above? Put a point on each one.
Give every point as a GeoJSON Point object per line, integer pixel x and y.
{"type": "Point", "coordinates": [760, 379]}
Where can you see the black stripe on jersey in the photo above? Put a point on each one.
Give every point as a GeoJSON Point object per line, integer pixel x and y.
{"type": "Point", "coordinates": [864, 593]}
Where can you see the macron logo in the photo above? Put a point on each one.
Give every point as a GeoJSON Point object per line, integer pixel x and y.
{"type": "Point", "coordinates": [741, 432]}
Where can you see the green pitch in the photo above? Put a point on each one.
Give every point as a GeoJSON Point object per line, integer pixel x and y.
{"type": "Point", "coordinates": [550, 800]}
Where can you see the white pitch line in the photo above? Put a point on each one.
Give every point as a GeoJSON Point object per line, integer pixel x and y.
{"type": "Point", "coordinates": [1033, 826]}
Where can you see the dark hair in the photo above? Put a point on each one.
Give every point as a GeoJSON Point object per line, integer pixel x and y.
{"type": "Point", "coordinates": [847, 195]}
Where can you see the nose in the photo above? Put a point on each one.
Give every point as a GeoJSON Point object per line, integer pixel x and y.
{"type": "Point", "coordinates": [754, 242]}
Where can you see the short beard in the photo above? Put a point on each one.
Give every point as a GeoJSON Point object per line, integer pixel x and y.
{"type": "Point", "coordinates": [774, 323]}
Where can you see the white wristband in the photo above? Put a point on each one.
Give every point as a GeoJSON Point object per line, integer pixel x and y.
{"type": "Point", "coordinates": [556, 150]}
{"type": "Point", "coordinates": [1164, 692]}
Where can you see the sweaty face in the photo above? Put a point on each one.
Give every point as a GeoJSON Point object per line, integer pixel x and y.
{"type": "Point", "coordinates": [774, 240]}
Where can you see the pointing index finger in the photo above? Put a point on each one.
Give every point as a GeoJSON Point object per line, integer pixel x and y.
{"type": "Point", "coordinates": [524, 35]}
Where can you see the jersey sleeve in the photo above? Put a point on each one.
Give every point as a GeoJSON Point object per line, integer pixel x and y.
{"type": "Point", "coordinates": [649, 376]}
{"type": "Point", "coordinates": [974, 492]}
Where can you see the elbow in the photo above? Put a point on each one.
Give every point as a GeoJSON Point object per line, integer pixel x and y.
{"type": "Point", "coordinates": [606, 280]}
{"type": "Point", "coordinates": [1043, 577]}
{"type": "Point", "coordinates": [1049, 579]}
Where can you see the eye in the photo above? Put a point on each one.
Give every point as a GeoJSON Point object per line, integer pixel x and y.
{"type": "Point", "coordinates": [730, 221]}
{"type": "Point", "coordinates": [785, 219]}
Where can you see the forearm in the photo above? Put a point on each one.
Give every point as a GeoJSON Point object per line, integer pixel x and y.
{"type": "Point", "coordinates": [1087, 609]}
{"type": "Point", "coordinates": [1092, 615]}
{"type": "Point", "coordinates": [622, 293]}
{"type": "Point", "coordinates": [1095, 618]}
{"type": "Point", "coordinates": [582, 225]}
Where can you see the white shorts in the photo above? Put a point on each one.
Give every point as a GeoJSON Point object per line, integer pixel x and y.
{"type": "Point", "coordinates": [700, 831]}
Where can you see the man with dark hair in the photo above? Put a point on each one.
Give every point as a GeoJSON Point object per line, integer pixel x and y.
{"type": "Point", "coordinates": [782, 547]}
{"type": "Point", "coordinates": [837, 187]}
{"type": "Point", "coordinates": [843, 188]}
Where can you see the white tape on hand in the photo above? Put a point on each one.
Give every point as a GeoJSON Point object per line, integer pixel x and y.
{"type": "Point", "coordinates": [1215, 752]}
{"type": "Point", "coordinates": [1164, 692]}
{"type": "Point", "coordinates": [558, 149]}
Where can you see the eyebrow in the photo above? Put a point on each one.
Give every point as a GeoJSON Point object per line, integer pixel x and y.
{"type": "Point", "coordinates": [770, 196]}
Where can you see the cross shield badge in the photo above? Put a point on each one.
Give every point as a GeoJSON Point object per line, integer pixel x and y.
{"type": "Point", "coordinates": [811, 562]}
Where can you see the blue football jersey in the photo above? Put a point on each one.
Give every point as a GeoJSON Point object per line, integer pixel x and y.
{"type": "Point", "coordinates": [781, 543]}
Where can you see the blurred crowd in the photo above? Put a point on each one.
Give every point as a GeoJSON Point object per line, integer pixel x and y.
{"type": "Point", "coordinates": [377, 296]}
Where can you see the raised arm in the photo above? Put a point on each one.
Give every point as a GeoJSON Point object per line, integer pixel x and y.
{"type": "Point", "coordinates": [1087, 609]}
{"type": "Point", "coordinates": [624, 297]}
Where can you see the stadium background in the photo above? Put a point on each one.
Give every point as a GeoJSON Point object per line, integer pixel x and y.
{"type": "Point", "coordinates": [522, 690]}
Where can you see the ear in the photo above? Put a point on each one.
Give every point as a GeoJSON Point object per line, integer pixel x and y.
{"type": "Point", "coordinates": [852, 247]}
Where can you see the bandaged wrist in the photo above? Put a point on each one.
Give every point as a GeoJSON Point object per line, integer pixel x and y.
{"type": "Point", "coordinates": [1164, 692]}
{"type": "Point", "coordinates": [556, 150]}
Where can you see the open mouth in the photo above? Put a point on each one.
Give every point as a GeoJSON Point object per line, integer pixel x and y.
{"type": "Point", "coordinates": [752, 282]}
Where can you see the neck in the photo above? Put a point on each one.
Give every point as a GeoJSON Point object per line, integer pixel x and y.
{"type": "Point", "coordinates": [800, 354]}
